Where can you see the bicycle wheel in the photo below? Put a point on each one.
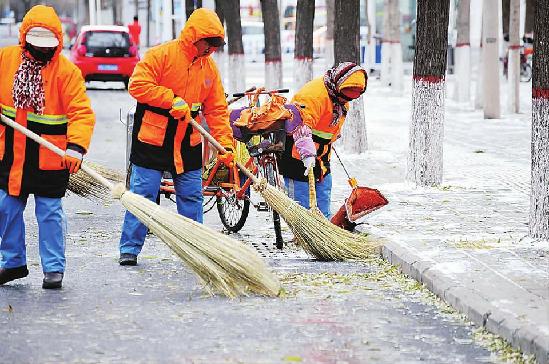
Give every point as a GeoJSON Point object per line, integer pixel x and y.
{"type": "Point", "coordinates": [233, 212]}
{"type": "Point", "coordinates": [271, 175]}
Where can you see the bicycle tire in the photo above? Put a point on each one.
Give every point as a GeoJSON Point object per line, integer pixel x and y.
{"type": "Point", "coordinates": [233, 212]}
{"type": "Point", "coordinates": [271, 176]}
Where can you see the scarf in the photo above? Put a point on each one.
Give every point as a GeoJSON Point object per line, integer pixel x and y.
{"type": "Point", "coordinates": [28, 87]}
{"type": "Point", "coordinates": [333, 78]}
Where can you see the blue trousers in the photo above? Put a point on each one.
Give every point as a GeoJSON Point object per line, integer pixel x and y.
{"type": "Point", "coordinates": [52, 229]}
{"type": "Point", "coordinates": [146, 182]}
{"type": "Point", "coordinates": [299, 191]}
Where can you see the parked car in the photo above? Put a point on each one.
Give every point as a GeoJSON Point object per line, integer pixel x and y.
{"type": "Point", "coordinates": [105, 53]}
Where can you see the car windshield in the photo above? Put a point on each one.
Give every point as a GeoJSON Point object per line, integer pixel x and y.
{"type": "Point", "coordinates": [107, 39]}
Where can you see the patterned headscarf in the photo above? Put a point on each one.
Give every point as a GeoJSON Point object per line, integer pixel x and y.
{"type": "Point", "coordinates": [28, 87]}
{"type": "Point", "coordinates": [333, 78]}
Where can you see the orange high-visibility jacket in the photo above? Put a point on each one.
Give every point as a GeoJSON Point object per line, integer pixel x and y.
{"type": "Point", "coordinates": [316, 113]}
{"type": "Point", "coordinates": [173, 69]}
{"type": "Point", "coordinates": [25, 167]}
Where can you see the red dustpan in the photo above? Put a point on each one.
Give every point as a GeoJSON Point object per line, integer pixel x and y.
{"type": "Point", "coordinates": [361, 202]}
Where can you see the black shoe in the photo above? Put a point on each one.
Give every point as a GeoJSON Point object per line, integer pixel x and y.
{"type": "Point", "coordinates": [52, 280]}
{"type": "Point", "coordinates": [9, 274]}
{"type": "Point", "coordinates": [127, 259]}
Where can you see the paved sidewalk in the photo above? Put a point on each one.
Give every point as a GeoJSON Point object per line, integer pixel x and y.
{"type": "Point", "coordinates": [467, 239]}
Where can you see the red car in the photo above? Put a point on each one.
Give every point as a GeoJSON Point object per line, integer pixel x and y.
{"type": "Point", "coordinates": [105, 53]}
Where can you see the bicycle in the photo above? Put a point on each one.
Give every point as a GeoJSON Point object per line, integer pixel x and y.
{"type": "Point", "coordinates": [257, 150]}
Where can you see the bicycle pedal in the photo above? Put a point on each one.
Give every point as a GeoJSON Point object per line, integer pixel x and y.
{"type": "Point", "coordinates": [262, 206]}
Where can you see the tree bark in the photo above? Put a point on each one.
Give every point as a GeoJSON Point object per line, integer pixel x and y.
{"type": "Point", "coordinates": [427, 125]}
{"type": "Point", "coordinates": [237, 61]}
{"type": "Point", "coordinates": [346, 49]}
{"type": "Point", "coordinates": [273, 52]}
{"type": "Point", "coordinates": [539, 197]}
{"type": "Point", "coordinates": [490, 60]}
{"type": "Point", "coordinates": [463, 53]}
{"type": "Point", "coordinates": [189, 7]}
{"type": "Point", "coordinates": [329, 46]}
{"type": "Point", "coordinates": [505, 7]}
{"type": "Point", "coordinates": [513, 63]}
{"type": "Point", "coordinates": [303, 55]}
{"type": "Point", "coordinates": [529, 18]}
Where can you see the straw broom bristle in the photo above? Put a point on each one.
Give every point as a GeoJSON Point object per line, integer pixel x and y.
{"type": "Point", "coordinates": [85, 185]}
{"type": "Point", "coordinates": [316, 234]}
{"type": "Point", "coordinates": [223, 264]}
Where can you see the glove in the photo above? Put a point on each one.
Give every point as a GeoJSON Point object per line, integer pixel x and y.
{"type": "Point", "coordinates": [227, 159]}
{"type": "Point", "coordinates": [72, 160]}
{"type": "Point", "coordinates": [308, 163]}
{"type": "Point", "coordinates": [303, 138]}
{"type": "Point", "coordinates": [179, 109]}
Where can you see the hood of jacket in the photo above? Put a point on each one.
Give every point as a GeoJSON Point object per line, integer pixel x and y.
{"type": "Point", "coordinates": [203, 23]}
{"type": "Point", "coordinates": [41, 16]}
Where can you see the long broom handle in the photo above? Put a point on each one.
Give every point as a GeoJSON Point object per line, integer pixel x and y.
{"type": "Point", "coordinates": [312, 189]}
{"type": "Point", "coordinates": [37, 138]}
{"type": "Point", "coordinates": [222, 150]}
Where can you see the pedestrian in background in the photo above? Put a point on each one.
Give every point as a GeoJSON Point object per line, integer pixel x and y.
{"type": "Point", "coordinates": [168, 79]}
{"type": "Point", "coordinates": [135, 31]}
{"type": "Point", "coordinates": [324, 104]}
{"type": "Point", "coordinates": [43, 91]}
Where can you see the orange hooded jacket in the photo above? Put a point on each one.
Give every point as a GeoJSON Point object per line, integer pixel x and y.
{"type": "Point", "coordinates": [25, 167]}
{"type": "Point", "coordinates": [173, 69]}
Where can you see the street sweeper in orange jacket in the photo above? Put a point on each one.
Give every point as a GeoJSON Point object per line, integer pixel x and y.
{"type": "Point", "coordinates": [171, 79]}
{"type": "Point", "coordinates": [324, 104]}
{"type": "Point", "coordinates": [43, 91]}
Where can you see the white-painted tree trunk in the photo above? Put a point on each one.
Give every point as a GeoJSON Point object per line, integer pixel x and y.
{"type": "Point", "coordinates": [426, 135]}
{"type": "Point", "coordinates": [237, 73]}
{"type": "Point", "coordinates": [397, 71]}
{"type": "Point", "coordinates": [329, 53]}
{"type": "Point", "coordinates": [385, 72]}
{"type": "Point", "coordinates": [303, 72]}
{"type": "Point", "coordinates": [167, 20]}
{"type": "Point", "coordinates": [513, 65]}
{"type": "Point", "coordinates": [479, 91]}
{"type": "Point", "coordinates": [539, 198]}
{"type": "Point", "coordinates": [462, 70]}
{"type": "Point", "coordinates": [354, 136]}
{"type": "Point", "coordinates": [273, 75]}
{"type": "Point", "coordinates": [220, 59]}
{"type": "Point", "coordinates": [490, 60]}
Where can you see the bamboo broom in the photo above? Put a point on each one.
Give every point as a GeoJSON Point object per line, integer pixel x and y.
{"type": "Point", "coordinates": [316, 234]}
{"type": "Point", "coordinates": [223, 264]}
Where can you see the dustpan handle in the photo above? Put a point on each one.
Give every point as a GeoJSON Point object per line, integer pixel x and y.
{"type": "Point", "coordinates": [312, 189]}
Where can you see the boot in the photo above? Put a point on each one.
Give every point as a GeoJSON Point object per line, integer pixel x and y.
{"type": "Point", "coordinates": [52, 280]}
{"type": "Point", "coordinates": [9, 274]}
{"type": "Point", "coordinates": [127, 259]}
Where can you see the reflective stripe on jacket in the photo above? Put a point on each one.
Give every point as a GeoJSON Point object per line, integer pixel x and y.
{"type": "Point", "coordinates": [169, 70]}
{"type": "Point", "coordinates": [316, 113]}
{"type": "Point", "coordinates": [25, 167]}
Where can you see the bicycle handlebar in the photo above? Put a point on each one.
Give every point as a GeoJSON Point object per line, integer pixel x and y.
{"type": "Point", "coordinates": [279, 91]}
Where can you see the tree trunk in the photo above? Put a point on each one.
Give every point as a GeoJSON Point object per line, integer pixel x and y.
{"type": "Point", "coordinates": [346, 49]}
{"type": "Point", "coordinates": [529, 18]}
{"type": "Point", "coordinates": [329, 46]}
{"type": "Point", "coordinates": [174, 26]}
{"type": "Point", "coordinates": [505, 7]}
{"type": "Point", "coordinates": [220, 56]}
{"type": "Point", "coordinates": [189, 7]}
{"type": "Point", "coordinates": [490, 60]}
{"type": "Point", "coordinates": [463, 53]}
{"type": "Point", "coordinates": [427, 124]}
{"type": "Point", "coordinates": [273, 57]}
{"type": "Point", "coordinates": [513, 64]}
{"type": "Point", "coordinates": [237, 61]}
{"type": "Point", "coordinates": [391, 60]}
{"type": "Point", "coordinates": [303, 56]}
{"type": "Point", "coordinates": [479, 102]}
{"type": "Point", "coordinates": [539, 198]}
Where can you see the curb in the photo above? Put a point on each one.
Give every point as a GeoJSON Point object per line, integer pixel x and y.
{"type": "Point", "coordinates": [523, 335]}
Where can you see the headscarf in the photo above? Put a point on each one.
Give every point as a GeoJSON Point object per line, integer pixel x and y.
{"type": "Point", "coordinates": [333, 79]}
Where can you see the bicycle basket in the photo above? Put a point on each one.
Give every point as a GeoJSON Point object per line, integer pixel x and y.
{"type": "Point", "coordinates": [221, 174]}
